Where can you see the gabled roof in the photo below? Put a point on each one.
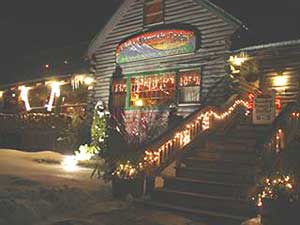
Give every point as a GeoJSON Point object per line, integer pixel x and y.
{"type": "Point", "coordinates": [100, 37]}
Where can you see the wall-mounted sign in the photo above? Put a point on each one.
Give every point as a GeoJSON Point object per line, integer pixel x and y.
{"type": "Point", "coordinates": [156, 44]}
{"type": "Point", "coordinates": [264, 111]}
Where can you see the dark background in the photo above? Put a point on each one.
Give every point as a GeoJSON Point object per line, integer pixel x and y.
{"type": "Point", "coordinates": [35, 33]}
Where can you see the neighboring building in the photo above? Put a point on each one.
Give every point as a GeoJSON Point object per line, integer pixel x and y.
{"type": "Point", "coordinates": [278, 68]}
{"type": "Point", "coordinates": [62, 69]}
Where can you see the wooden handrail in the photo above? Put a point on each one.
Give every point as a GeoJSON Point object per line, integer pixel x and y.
{"type": "Point", "coordinates": [162, 152]}
{"type": "Point", "coordinates": [282, 131]}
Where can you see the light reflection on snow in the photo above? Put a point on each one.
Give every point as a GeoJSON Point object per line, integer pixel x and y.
{"type": "Point", "coordinates": [70, 163]}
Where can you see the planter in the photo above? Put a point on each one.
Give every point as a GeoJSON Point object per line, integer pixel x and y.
{"type": "Point", "coordinates": [279, 212]}
{"type": "Point", "coordinates": [122, 187]}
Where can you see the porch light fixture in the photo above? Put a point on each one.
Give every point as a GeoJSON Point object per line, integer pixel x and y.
{"type": "Point", "coordinates": [238, 60]}
{"type": "Point", "coordinates": [89, 81]}
{"type": "Point", "coordinates": [1, 94]}
{"type": "Point", "coordinates": [280, 81]}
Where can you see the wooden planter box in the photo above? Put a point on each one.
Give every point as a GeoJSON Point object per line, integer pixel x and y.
{"type": "Point", "coordinates": [121, 187]}
{"type": "Point", "coordinates": [279, 212]}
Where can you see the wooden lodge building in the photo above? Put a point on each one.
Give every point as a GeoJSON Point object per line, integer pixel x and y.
{"type": "Point", "coordinates": [154, 55]}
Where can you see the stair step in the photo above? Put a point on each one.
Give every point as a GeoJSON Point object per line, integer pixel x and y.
{"type": "Point", "coordinates": [219, 145]}
{"type": "Point", "coordinates": [205, 187]}
{"type": "Point", "coordinates": [222, 155]}
{"type": "Point", "coordinates": [210, 217]}
{"type": "Point", "coordinates": [235, 177]}
{"type": "Point", "coordinates": [233, 139]}
{"type": "Point", "coordinates": [259, 128]}
{"type": "Point", "coordinates": [219, 164]}
{"type": "Point", "coordinates": [202, 202]}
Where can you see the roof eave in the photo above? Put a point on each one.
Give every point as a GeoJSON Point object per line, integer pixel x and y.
{"type": "Point", "coordinates": [101, 35]}
{"type": "Point", "coordinates": [269, 45]}
{"type": "Point", "coordinates": [221, 12]}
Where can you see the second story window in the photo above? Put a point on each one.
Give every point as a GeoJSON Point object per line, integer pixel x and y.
{"type": "Point", "coordinates": [153, 12]}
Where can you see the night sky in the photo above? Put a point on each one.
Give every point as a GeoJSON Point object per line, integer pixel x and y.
{"type": "Point", "coordinates": [34, 33]}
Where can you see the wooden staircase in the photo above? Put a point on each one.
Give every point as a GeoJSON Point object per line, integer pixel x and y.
{"type": "Point", "coordinates": [213, 179]}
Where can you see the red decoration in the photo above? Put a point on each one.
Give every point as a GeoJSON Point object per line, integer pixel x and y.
{"type": "Point", "coordinates": [251, 98]}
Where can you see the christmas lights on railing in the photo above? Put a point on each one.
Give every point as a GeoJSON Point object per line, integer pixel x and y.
{"type": "Point", "coordinates": [153, 158]}
{"type": "Point", "coordinates": [295, 115]}
{"type": "Point", "coordinates": [184, 137]}
{"type": "Point", "coordinates": [279, 140]}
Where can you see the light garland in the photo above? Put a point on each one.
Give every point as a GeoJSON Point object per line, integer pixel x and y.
{"type": "Point", "coordinates": [295, 115]}
{"type": "Point", "coordinates": [269, 184]}
{"type": "Point", "coordinates": [189, 80]}
{"type": "Point", "coordinates": [154, 82]}
{"type": "Point", "coordinates": [77, 80]}
{"type": "Point", "coordinates": [279, 140]}
{"type": "Point", "coordinates": [24, 96]}
{"type": "Point", "coordinates": [184, 136]}
{"type": "Point", "coordinates": [119, 88]}
{"type": "Point", "coordinates": [238, 60]}
{"type": "Point", "coordinates": [127, 170]}
{"type": "Point", "coordinates": [55, 92]}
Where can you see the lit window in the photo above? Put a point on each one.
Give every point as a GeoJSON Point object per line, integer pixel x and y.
{"type": "Point", "coordinates": [189, 86]}
{"type": "Point", "coordinates": [154, 89]}
{"type": "Point", "coordinates": [118, 97]}
{"type": "Point", "coordinates": [119, 90]}
{"type": "Point", "coordinates": [153, 12]}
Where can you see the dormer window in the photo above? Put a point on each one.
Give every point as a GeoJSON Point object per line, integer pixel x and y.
{"type": "Point", "coordinates": [153, 12]}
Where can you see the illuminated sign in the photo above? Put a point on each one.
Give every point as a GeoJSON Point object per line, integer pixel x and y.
{"type": "Point", "coordinates": [156, 44]}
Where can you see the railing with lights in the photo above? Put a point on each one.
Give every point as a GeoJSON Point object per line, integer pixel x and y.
{"type": "Point", "coordinates": [163, 151]}
{"type": "Point", "coordinates": [270, 148]}
{"type": "Point", "coordinates": [283, 130]}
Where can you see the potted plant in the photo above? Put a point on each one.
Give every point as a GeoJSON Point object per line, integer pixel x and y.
{"type": "Point", "coordinates": [125, 166]}
{"type": "Point", "coordinates": [277, 199]}
{"type": "Point", "coordinates": [127, 179]}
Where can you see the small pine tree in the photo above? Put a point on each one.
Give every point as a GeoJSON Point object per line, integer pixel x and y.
{"type": "Point", "coordinates": [99, 129]}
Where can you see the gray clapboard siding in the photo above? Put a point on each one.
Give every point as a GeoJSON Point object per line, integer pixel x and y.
{"type": "Point", "coordinates": [211, 57]}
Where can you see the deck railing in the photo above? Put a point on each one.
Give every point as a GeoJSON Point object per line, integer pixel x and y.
{"type": "Point", "coordinates": [283, 130]}
{"type": "Point", "coordinates": [164, 150]}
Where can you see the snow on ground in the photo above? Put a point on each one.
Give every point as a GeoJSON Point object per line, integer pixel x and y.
{"type": "Point", "coordinates": [35, 189]}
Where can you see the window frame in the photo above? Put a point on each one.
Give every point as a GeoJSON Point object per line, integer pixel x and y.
{"type": "Point", "coordinates": [148, 73]}
{"type": "Point", "coordinates": [128, 77]}
{"type": "Point", "coordinates": [179, 88]}
{"type": "Point", "coordinates": [162, 14]}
